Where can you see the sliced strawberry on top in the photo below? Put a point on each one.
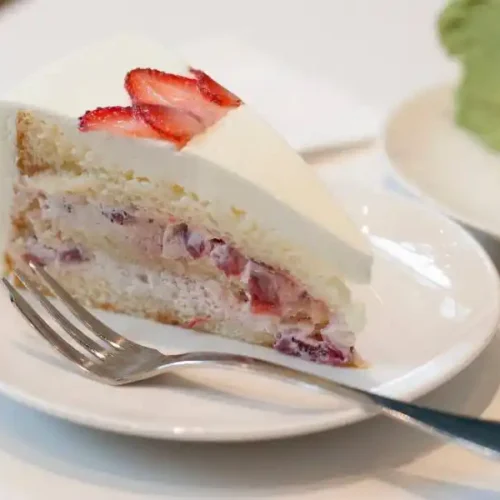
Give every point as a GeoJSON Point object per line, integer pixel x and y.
{"type": "Point", "coordinates": [176, 125]}
{"type": "Point", "coordinates": [117, 120]}
{"type": "Point", "coordinates": [214, 91]}
{"type": "Point", "coordinates": [150, 86]}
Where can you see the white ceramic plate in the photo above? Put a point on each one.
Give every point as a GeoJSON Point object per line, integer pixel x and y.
{"type": "Point", "coordinates": [443, 163]}
{"type": "Point", "coordinates": [432, 307]}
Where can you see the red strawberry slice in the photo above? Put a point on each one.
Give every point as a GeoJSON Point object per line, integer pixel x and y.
{"type": "Point", "coordinates": [263, 289]}
{"type": "Point", "coordinates": [227, 258]}
{"type": "Point", "coordinates": [197, 322]}
{"type": "Point", "coordinates": [176, 125]}
{"type": "Point", "coordinates": [118, 120]}
{"type": "Point", "coordinates": [150, 86]}
{"type": "Point", "coordinates": [214, 91]}
{"type": "Point", "coordinates": [30, 257]}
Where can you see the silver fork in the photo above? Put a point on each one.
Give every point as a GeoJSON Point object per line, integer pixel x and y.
{"type": "Point", "coordinates": [112, 359]}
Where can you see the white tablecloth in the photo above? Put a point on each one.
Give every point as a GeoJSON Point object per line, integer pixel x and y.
{"type": "Point", "coordinates": [382, 50]}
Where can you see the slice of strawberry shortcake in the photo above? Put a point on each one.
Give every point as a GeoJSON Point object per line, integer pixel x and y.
{"type": "Point", "coordinates": [183, 206]}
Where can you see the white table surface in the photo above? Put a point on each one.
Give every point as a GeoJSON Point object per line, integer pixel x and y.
{"type": "Point", "coordinates": [381, 49]}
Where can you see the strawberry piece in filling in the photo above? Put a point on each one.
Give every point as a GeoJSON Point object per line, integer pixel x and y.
{"type": "Point", "coordinates": [262, 285]}
{"type": "Point", "coordinates": [317, 348]}
{"type": "Point", "coordinates": [118, 216]}
{"type": "Point", "coordinates": [196, 244]}
{"type": "Point", "coordinates": [227, 258]}
{"type": "Point", "coordinates": [74, 254]}
{"type": "Point", "coordinates": [69, 253]}
{"type": "Point", "coordinates": [196, 322]}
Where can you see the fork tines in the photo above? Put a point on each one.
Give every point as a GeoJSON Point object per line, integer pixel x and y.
{"type": "Point", "coordinates": [109, 338]}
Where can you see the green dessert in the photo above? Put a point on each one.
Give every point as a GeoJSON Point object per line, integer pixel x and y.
{"type": "Point", "coordinates": [470, 32]}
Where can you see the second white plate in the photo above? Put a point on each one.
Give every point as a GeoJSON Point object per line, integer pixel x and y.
{"type": "Point", "coordinates": [443, 163]}
{"type": "Point", "coordinates": [432, 307]}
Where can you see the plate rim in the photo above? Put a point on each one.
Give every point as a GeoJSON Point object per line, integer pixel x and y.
{"type": "Point", "coordinates": [456, 359]}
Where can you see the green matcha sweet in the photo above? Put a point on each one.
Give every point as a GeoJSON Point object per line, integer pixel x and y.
{"type": "Point", "coordinates": [470, 32]}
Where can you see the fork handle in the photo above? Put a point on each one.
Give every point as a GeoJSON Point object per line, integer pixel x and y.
{"type": "Point", "coordinates": [479, 435]}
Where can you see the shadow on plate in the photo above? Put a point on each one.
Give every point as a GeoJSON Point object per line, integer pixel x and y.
{"type": "Point", "coordinates": [433, 489]}
{"type": "Point", "coordinates": [305, 463]}
{"type": "Point", "coordinates": [488, 242]}
{"type": "Point", "coordinates": [191, 383]}
{"type": "Point", "coordinates": [346, 150]}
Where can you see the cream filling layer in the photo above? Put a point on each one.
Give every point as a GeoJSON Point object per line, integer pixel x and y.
{"type": "Point", "coordinates": [149, 238]}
